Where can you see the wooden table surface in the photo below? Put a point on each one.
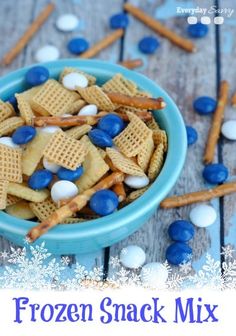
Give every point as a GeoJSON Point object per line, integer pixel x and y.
{"type": "Point", "coordinates": [184, 76]}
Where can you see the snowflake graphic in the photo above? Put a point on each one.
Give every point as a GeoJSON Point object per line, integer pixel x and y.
{"type": "Point", "coordinates": [227, 251]}
{"type": "Point", "coordinates": [185, 268]}
{"type": "Point", "coordinates": [114, 262]}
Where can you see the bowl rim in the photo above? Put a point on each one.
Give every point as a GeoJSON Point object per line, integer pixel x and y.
{"type": "Point", "coordinates": [174, 161]}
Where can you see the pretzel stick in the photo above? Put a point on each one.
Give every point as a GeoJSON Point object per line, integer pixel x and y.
{"type": "Point", "coordinates": [199, 196]}
{"type": "Point", "coordinates": [160, 28]}
{"type": "Point", "coordinates": [102, 44]}
{"type": "Point", "coordinates": [214, 131]}
{"type": "Point", "coordinates": [143, 115]}
{"type": "Point", "coordinates": [76, 204]}
{"type": "Point", "coordinates": [29, 33]}
{"type": "Point", "coordinates": [132, 64]}
{"type": "Point", "coordinates": [139, 102]}
{"type": "Point", "coordinates": [233, 100]}
{"type": "Point", "coordinates": [119, 189]}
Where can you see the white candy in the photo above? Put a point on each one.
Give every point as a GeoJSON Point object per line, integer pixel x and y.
{"type": "Point", "coordinates": [88, 110]}
{"type": "Point", "coordinates": [74, 80]}
{"type": "Point", "coordinates": [67, 22]}
{"type": "Point", "coordinates": [66, 115]}
{"type": "Point", "coordinates": [154, 275]}
{"type": "Point", "coordinates": [203, 215]}
{"type": "Point", "coordinates": [132, 256]}
{"type": "Point", "coordinates": [62, 190]}
{"type": "Point", "coordinates": [228, 129]}
{"type": "Point", "coordinates": [47, 53]}
{"type": "Point", "coordinates": [52, 167]}
{"type": "Point", "coordinates": [136, 182]}
{"type": "Point", "coordinates": [7, 141]}
{"type": "Point", "coordinates": [49, 129]}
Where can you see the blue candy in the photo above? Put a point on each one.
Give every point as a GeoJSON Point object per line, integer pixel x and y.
{"type": "Point", "coordinates": [111, 124]}
{"type": "Point", "coordinates": [23, 135]}
{"type": "Point", "coordinates": [100, 138]}
{"type": "Point", "coordinates": [104, 202]}
{"type": "Point", "coordinates": [191, 135]}
{"type": "Point", "coordinates": [178, 253]}
{"type": "Point", "coordinates": [215, 173]}
{"type": "Point", "coordinates": [197, 30]}
{"type": "Point", "coordinates": [148, 45]}
{"type": "Point", "coordinates": [12, 100]}
{"type": "Point", "coordinates": [77, 45]}
{"type": "Point", "coordinates": [204, 105]}
{"type": "Point", "coordinates": [181, 230]}
{"type": "Point", "coordinates": [40, 179]}
{"type": "Point", "coordinates": [120, 20]}
{"type": "Point", "coordinates": [70, 175]}
{"type": "Point", "coordinates": [36, 75]}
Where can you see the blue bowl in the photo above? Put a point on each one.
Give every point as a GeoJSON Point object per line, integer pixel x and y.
{"type": "Point", "coordinates": [95, 234]}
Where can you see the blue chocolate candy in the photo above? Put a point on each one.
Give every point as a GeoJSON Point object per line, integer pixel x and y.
{"type": "Point", "coordinates": [181, 230]}
{"type": "Point", "coordinates": [104, 202]}
{"type": "Point", "coordinates": [191, 135]}
{"type": "Point", "coordinates": [148, 44]}
{"type": "Point", "coordinates": [70, 175]}
{"type": "Point", "coordinates": [40, 179]}
{"type": "Point", "coordinates": [215, 173]}
{"type": "Point", "coordinates": [111, 124]}
{"type": "Point", "coordinates": [178, 253]}
{"type": "Point", "coordinates": [197, 30]}
{"type": "Point", "coordinates": [204, 105]}
{"type": "Point", "coordinates": [100, 138]}
{"type": "Point", "coordinates": [77, 45]}
{"type": "Point", "coordinates": [23, 135]}
{"type": "Point", "coordinates": [36, 75]}
{"type": "Point", "coordinates": [119, 20]}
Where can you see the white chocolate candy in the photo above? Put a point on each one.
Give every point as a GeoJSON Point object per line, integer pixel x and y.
{"type": "Point", "coordinates": [132, 256]}
{"type": "Point", "coordinates": [63, 190]}
{"type": "Point", "coordinates": [203, 215]}
{"type": "Point", "coordinates": [228, 129]}
{"type": "Point", "coordinates": [49, 129]}
{"type": "Point", "coordinates": [136, 182]}
{"type": "Point", "coordinates": [88, 110]}
{"type": "Point", "coordinates": [7, 141]}
{"type": "Point", "coordinates": [74, 80]}
{"type": "Point", "coordinates": [67, 22]}
{"type": "Point", "coordinates": [47, 53]}
{"type": "Point", "coordinates": [154, 275]}
{"type": "Point", "coordinates": [52, 167]}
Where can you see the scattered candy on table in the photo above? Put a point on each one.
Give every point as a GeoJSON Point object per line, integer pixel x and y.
{"type": "Point", "coordinates": [23, 135]}
{"type": "Point", "coordinates": [136, 182]}
{"type": "Point", "coordinates": [77, 45]}
{"type": "Point", "coordinates": [120, 20]}
{"type": "Point", "coordinates": [203, 215]}
{"type": "Point", "coordinates": [67, 22]}
{"type": "Point", "coordinates": [181, 231]}
{"type": "Point", "coordinates": [204, 105]}
{"type": "Point", "coordinates": [62, 190]}
{"type": "Point", "coordinates": [100, 138]}
{"type": "Point", "coordinates": [36, 75]}
{"type": "Point", "coordinates": [228, 129]}
{"type": "Point", "coordinates": [7, 141]}
{"type": "Point", "coordinates": [154, 275]}
{"type": "Point", "coordinates": [192, 135]}
{"type": "Point", "coordinates": [52, 167]}
{"type": "Point", "coordinates": [40, 179]}
{"type": "Point", "coordinates": [111, 124]}
{"type": "Point", "coordinates": [178, 253]}
{"type": "Point", "coordinates": [197, 30]}
{"type": "Point", "coordinates": [74, 80]}
{"type": "Point", "coordinates": [88, 110]}
{"type": "Point", "coordinates": [47, 53]}
{"type": "Point", "coordinates": [70, 175]}
{"type": "Point", "coordinates": [132, 256]}
{"type": "Point", "coordinates": [104, 202]}
{"type": "Point", "coordinates": [148, 44]}
{"type": "Point", "coordinates": [215, 173]}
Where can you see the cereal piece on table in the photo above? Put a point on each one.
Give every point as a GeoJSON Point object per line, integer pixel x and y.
{"type": "Point", "coordinates": [5, 111]}
{"type": "Point", "coordinates": [119, 83]}
{"type": "Point", "coordinates": [159, 136]}
{"type": "Point", "coordinates": [94, 167]}
{"type": "Point", "coordinates": [53, 99]}
{"type": "Point", "coordinates": [21, 210]}
{"type": "Point", "coordinates": [26, 112]}
{"type": "Point", "coordinates": [145, 153]}
{"type": "Point", "coordinates": [12, 200]}
{"type": "Point", "coordinates": [42, 210]}
{"type": "Point", "coordinates": [66, 71]}
{"type": "Point", "coordinates": [95, 95]}
{"type": "Point", "coordinates": [78, 131]}
{"type": "Point", "coordinates": [10, 164]}
{"type": "Point", "coordinates": [76, 106]}
{"type": "Point", "coordinates": [153, 125]}
{"type": "Point", "coordinates": [156, 162]}
{"type": "Point", "coordinates": [11, 124]}
{"type": "Point", "coordinates": [24, 192]}
{"type": "Point", "coordinates": [131, 140]}
{"type": "Point", "coordinates": [3, 194]}
{"type": "Point", "coordinates": [65, 151]}
{"type": "Point", "coordinates": [135, 194]}
{"type": "Point", "coordinates": [123, 163]}
{"type": "Point", "coordinates": [34, 152]}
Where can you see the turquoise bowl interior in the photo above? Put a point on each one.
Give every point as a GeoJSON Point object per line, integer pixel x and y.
{"type": "Point", "coordinates": [95, 234]}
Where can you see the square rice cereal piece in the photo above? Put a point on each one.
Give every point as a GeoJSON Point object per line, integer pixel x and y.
{"type": "Point", "coordinates": [10, 164]}
{"type": "Point", "coordinates": [3, 194]}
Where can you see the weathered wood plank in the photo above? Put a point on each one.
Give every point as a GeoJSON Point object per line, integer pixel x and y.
{"type": "Point", "coordinates": [185, 77]}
